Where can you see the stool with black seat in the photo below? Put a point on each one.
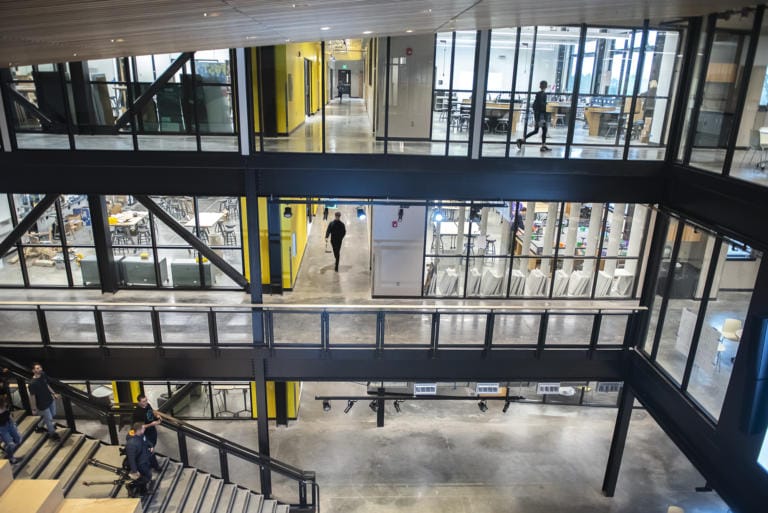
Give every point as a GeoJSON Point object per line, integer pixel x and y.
{"type": "Point", "coordinates": [490, 248]}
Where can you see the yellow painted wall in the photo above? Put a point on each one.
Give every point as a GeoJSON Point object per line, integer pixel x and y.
{"type": "Point", "coordinates": [289, 59]}
{"type": "Point", "coordinates": [293, 397]}
{"type": "Point", "coordinates": [264, 241]}
{"type": "Point", "coordinates": [297, 224]}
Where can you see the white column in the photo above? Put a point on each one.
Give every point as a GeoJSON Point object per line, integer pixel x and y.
{"type": "Point", "coordinates": [549, 236]}
{"type": "Point", "coordinates": [460, 230]}
{"type": "Point", "coordinates": [593, 234]}
{"type": "Point", "coordinates": [571, 234]}
{"type": "Point", "coordinates": [525, 252]}
{"type": "Point", "coordinates": [636, 236]}
{"type": "Point", "coordinates": [242, 103]}
{"type": "Point", "coordinates": [614, 238]}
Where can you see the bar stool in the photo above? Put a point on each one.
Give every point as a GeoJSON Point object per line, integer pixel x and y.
{"type": "Point", "coordinates": [490, 248]}
{"type": "Point", "coordinates": [230, 236]}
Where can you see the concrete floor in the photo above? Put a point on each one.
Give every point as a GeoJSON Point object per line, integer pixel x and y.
{"type": "Point", "coordinates": [447, 456]}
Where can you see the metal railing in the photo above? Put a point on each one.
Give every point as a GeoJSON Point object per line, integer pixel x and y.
{"type": "Point", "coordinates": [111, 416]}
{"type": "Point", "coordinates": [325, 327]}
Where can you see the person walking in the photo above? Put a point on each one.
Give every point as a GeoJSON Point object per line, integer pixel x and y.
{"type": "Point", "coordinates": [149, 420]}
{"type": "Point", "coordinates": [336, 231]}
{"type": "Point", "coordinates": [140, 454]}
{"type": "Point", "coordinates": [539, 118]}
{"type": "Point", "coordinates": [43, 399]}
{"type": "Point", "coordinates": [9, 434]}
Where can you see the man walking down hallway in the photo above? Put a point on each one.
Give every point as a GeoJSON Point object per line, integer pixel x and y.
{"type": "Point", "coordinates": [336, 231]}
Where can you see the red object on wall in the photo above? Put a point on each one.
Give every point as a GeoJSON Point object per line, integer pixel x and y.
{"type": "Point", "coordinates": [394, 224]}
{"type": "Point", "coordinates": [409, 51]}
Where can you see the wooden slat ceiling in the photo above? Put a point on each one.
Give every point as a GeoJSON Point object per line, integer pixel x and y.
{"type": "Point", "coordinates": [39, 31]}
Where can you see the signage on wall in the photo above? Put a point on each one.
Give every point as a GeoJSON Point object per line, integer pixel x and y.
{"type": "Point", "coordinates": [343, 66]}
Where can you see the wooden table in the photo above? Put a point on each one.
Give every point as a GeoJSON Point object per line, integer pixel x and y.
{"type": "Point", "coordinates": [594, 117]}
{"type": "Point", "coordinates": [495, 111]}
{"type": "Point", "coordinates": [555, 108]}
{"type": "Point", "coordinates": [128, 218]}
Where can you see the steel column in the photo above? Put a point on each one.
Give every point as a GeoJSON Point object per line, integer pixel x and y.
{"type": "Point", "coordinates": [619, 440]}
{"type": "Point", "coordinates": [275, 248]}
{"type": "Point", "coordinates": [105, 257]}
{"type": "Point", "coordinates": [482, 51]}
{"type": "Point", "coordinates": [254, 255]}
{"type": "Point", "coordinates": [635, 90]}
{"type": "Point", "coordinates": [575, 94]}
{"type": "Point", "coordinates": [262, 419]}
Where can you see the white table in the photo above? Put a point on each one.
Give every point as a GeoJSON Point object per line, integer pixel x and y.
{"type": "Point", "coordinates": [206, 219]}
{"type": "Point", "coordinates": [451, 229]}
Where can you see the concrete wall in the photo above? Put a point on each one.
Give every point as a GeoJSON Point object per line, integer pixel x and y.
{"type": "Point", "coordinates": [410, 95]}
{"type": "Point", "coordinates": [398, 252]}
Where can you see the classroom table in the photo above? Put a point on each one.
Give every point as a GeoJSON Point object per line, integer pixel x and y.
{"type": "Point", "coordinates": [128, 218]}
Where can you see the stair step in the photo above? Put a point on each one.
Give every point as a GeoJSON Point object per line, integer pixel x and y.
{"type": "Point", "coordinates": [163, 486]}
{"type": "Point", "coordinates": [211, 496]}
{"type": "Point", "coordinates": [282, 508]}
{"type": "Point", "coordinates": [68, 447]}
{"type": "Point", "coordinates": [100, 506]}
{"type": "Point", "coordinates": [195, 494]}
{"type": "Point", "coordinates": [226, 498]}
{"type": "Point", "coordinates": [268, 506]}
{"type": "Point", "coordinates": [240, 501]}
{"type": "Point", "coordinates": [40, 458]}
{"type": "Point", "coordinates": [6, 475]}
{"type": "Point", "coordinates": [27, 424]}
{"type": "Point", "coordinates": [106, 454]}
{"type": "Point", "coordinates": [32, 495]}
{"type": "Point", "coordinates": [180, 493]}
{"type": "Point", "coordinates": [83, 452]}
{"type": "Point", "coordinates": [254, 505]}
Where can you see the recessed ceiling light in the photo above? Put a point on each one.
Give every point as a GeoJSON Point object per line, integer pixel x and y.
{"type": "Point", "coordinates": [366, 32]}
{"type": "Point", "coordinates": [287, 40]}
{"type": "Point", "coordinates": [205, 15]}
{"type": "Point", "coordinates": [325, 28]}
{"type": "Point", "coordinates": [409, 31]}
{"type": "Point", "coordinates": [74, 55]}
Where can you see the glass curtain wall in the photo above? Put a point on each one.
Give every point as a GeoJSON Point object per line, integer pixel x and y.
{"type": "Point", "coordinates": [152, 254]}
{"type": "Point", "coordinates": [534, 249]}
{"type": "Point", "coordinates": [699, 358]}
{"type": "Point", "coordinates": [83, 105]}
{"type": "Point", "coordinates": [57, 251]}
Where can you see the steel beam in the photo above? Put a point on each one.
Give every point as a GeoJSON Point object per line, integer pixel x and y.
{"type": "Point", "coordinates": [193, 241]}
{"type": "Point", "coordinates": [30, 107]}
{"type": "Point", "coordinates": [146, 96]}
{"type": "Point", "coordinates": [26, 223]}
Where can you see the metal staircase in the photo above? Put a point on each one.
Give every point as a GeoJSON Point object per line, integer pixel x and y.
{"type": "Point", "coordinates": [176, 488]}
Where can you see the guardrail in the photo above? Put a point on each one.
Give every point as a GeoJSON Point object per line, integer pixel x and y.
{"type": "Point", "coordinates": [325, 327]}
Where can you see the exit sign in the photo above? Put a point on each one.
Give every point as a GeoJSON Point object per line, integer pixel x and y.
{"type": "Point", "coordinates": [343, 66]}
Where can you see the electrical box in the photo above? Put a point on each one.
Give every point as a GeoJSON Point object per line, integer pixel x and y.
{"type": "Point", "coordinates": [139, 271]}
{"type": "Point", "coordinates": [185, 272]}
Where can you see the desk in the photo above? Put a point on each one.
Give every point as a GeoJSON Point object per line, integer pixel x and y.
{"type": "Point", "coordinates": [495, 111]}
{"type": "Point", "coordinates": [451, 229]}
{"type": "Point", "coordinates": [206, 219]}
{"type": "Point", "coordinates": [594, 116]}
{"type": "Point", "coordinates": [128, 218]}
{"type": "Point", "coordinates": [556, 108]}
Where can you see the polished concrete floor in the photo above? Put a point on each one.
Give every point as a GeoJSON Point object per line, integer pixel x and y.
{"type": "Point", "coordinates": [447, 456]}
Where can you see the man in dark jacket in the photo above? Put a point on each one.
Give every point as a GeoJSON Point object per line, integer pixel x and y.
{"type": "Point", "coordinates": [149, 419]}
{"type": "Point", "coordinates": [139, 453]}
{"type": "Point", "coordinates": [336, 231]}
{"type": "Point", "coordinates": [43, 399]}
{"type": "Point", "coordinates": [539, 118]}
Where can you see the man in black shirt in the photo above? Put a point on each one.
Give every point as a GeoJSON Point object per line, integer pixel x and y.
{"type": "Point", "coordinates": [140, 454]}
{"type": "Point", "coordinates": [539, 118]}
{"type": "Point", "coordinates": [146, 415]}
{"type": "Point", "coordinates": [336, 231]}
{"type": "Point", "coordinates": [43, 399]}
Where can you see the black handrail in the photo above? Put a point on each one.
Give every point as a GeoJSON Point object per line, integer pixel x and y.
{"type": "Point", "coordinates": [82, 399]}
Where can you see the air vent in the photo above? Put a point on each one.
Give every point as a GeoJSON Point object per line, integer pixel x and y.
{"type": "Point", "coordinates": [548, 388]}
{"type": "Point", "coordinates": [425, 389]}
{"type": "Point", "coordinates": [487, 388]}
{"type": "Point", "coordinates": [609, 386]}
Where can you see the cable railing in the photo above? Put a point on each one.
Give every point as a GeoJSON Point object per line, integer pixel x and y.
{"type": "Point", "coordinates": [111, 415]}
{"type": "Point", "coordinates": [601, 324]}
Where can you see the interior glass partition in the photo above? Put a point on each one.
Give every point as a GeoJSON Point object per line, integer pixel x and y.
{"type": "Point", "coordinates": [502, 111]}
{"type": "Point", "coordinates": [719, 92]}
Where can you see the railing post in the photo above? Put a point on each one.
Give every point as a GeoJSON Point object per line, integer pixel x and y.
{"type": "Point", "coordinates": [435, 332]}
{"type": "Point", "coordinates": [24, 395]}
{"type": "Point", "coordinates": [68, 413]}
{"type": "Point", "coordinates": [183, 454]}
{"type": "Point", "coordinates": [269, 327]}
{"type": "Point", "coordinates": [223, 464]}
{"type": "Point", "coordinates": [157, 333]}
{"type": "Point", "coordinates": [489, 321]}
{"type": "Point", "coordinates": [114, 439]}
{"type": "Point", "coordinates": [324, 330]}
{"type": "Point", "coordinates": [98, 320]}
{"type": "Point", "coordinates": [42, 324]}
{"type": "Point", "coordinates": [595, 335]}
{"type": "Point", "coordinates": [380, 331]}
{"type": "Point", "coordinates": [543, 322]}
{"type": "Point", "coordinates": [213, 331]}
{"type": "Point", "coordinates": [302, 493]}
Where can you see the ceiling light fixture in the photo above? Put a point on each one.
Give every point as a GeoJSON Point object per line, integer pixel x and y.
{"type": "Point", "coordinates": [350, 404]}
{"type": "Point", "coordinates": [326, 405]}
{"type": "Point", "coordinates": [397, 405]}
{"type": "Point", "coordinates": [374, 406]}
{"type": "Point", "coordinates": [360, 213]}
{"type": "Point", "coordinates": [409, 31]}
{"type": "Point", "coordinates": [325, 28]}
{"type": "Point", "coordinates": [287, 213]}
{"type": "Point", "coordinates": [483, 406]}
{"type": "Point", "coordinates": [367, 31]}
{"type": "Point", "coordinates": [205, 15]}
